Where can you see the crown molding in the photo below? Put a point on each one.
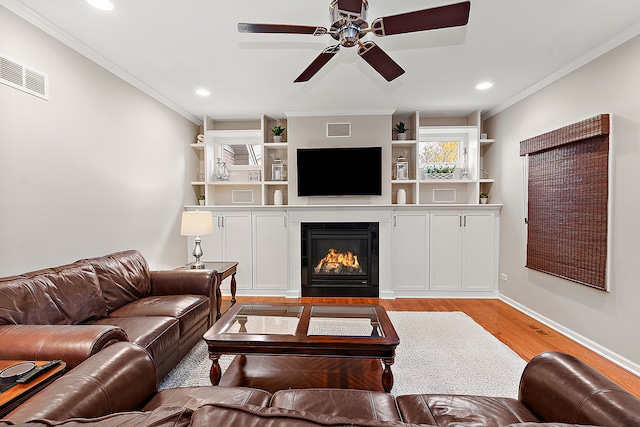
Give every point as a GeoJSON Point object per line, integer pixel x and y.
{"type": "Point", "coordinates": [56, 32]}
{"type": "Point", "coordinates": [325, 113]}
{"type": "Point", "coordinates": [598, 51]}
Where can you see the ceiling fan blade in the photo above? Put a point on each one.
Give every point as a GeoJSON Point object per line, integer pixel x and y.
{"type": "Point", "coordinates": [244, 27]}
{"type": "Point", "coordinates": [380, 61]}
{"type": "Point", "coordinates": [351, 6]}
{"type": "Point", "coordinates": [453, 15]}
{"type": "Point", "coordinates": [318, 63]}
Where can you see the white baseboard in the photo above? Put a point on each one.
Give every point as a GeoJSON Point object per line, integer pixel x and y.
{"type": "Point", "coordinates": [619, 360]}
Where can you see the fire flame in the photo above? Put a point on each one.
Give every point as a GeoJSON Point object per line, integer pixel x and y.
{"type": "Point", "coordinates": [335, 260]}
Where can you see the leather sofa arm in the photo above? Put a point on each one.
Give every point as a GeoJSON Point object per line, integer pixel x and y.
{"type": "Point", "coordinates": [122, 377]}
{"type": "Point", "coordinates": [181, 282]}
{"type": "Point", "coordinates": [71, 343]}
{"type": "Point", "coordinates": [559, 388]}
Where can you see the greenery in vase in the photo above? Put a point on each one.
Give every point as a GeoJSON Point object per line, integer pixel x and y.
{"type": "Point", "coordinates": [441, 169]}
{"type": "Point", "coordinates": [484, 196]}
{"type": "Point", "coordinates": [278, 130]}
{"type": "Point", "coordinates": [401, 128]}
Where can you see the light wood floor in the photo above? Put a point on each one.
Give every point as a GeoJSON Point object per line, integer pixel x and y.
{"type": "Point", "coordinates": [524, 335]}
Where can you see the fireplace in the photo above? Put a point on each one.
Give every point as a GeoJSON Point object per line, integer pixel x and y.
{"type": "Point", "coordinates": [340, 259]}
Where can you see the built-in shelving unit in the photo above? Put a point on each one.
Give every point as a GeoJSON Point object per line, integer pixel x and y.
{"type": "Point", "coordinates": [251, 183]}
{"type": "Point", "coordinates": [249, 152]}
{"type": "Point", "coordinates": [421, 189]}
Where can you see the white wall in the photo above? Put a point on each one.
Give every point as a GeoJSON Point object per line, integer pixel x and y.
{"type": "Point", "coordinates": [98, 168]}
{"type": "Point", "coordinates": [609, 84]}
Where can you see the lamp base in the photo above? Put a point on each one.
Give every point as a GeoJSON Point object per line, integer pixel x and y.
{"type": "Point", "coordinates": [197, 253]}
{"type": "Point", "coordinates": [197, 265]}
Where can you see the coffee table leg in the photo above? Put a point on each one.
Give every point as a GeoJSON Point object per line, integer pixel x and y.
{"type": "Point", "coordinates": [215, 373]}
{"type": "Point", "coordinates": [387, 375]}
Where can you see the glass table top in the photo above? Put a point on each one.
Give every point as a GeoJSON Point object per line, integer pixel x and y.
{"type": "Point", "coordinates": [266, 319]}
{"type": "Point", "coordinates": [284, 319]}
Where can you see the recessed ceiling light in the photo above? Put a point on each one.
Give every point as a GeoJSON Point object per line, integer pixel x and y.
{"type": "Point", "coordinates": [101, 4]}
{"type": "Point", "coordinates": [484, 85]}
{"type": "Point", "coordinates": [203, 92]}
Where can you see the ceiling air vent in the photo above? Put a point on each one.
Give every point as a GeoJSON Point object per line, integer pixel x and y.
{"type": "Point", "coordinates": [21, 76]}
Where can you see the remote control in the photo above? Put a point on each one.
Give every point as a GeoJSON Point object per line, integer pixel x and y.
{"type": "Point", "coordinates": [41, 370]}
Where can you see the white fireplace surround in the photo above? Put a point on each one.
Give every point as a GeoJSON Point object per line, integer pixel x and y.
{"type": "Point", "coordinates": [336, 215]}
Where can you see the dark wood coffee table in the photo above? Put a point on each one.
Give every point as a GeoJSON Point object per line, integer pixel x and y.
{"type": "Point", "coordinates": [328, 331]}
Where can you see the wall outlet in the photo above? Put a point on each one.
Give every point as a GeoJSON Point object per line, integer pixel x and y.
{"type": "Point", "coordinates": [503, 276]}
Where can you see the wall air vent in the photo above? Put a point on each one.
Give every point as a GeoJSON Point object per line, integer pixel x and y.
{"type": "Point", "coordinates": [338, 130]}
{"type": "Point", "coordinates": [23, 77]}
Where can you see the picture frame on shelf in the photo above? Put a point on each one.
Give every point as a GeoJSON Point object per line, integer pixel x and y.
{"type": "Point", "coordinates": [254, 176]}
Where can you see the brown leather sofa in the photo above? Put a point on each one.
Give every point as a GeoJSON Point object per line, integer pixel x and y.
{"type": "Point", "coordinates": [117, 387]}
{"type": "Point", "coordinates": [74, 311]}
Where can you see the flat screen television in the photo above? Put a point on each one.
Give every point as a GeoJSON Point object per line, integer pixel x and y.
{"type": "Point", "coordinates": [340, 171]}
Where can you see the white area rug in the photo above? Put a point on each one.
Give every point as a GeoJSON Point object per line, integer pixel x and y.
{"type": "Point", "coordinates": [438, 353]}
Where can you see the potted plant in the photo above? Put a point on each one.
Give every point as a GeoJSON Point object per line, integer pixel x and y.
{"type": "Point", "coordinates": [277, 131]}
{"type": "Point", "coordinates": [201, 199]}
{"type": "Point", "coordinates": [483, 198]}
{"type": "Point", "coordinates": [401, 130]}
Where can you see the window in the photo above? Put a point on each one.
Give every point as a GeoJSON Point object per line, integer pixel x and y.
{"type": "Point", "coordinates": [440, 150]}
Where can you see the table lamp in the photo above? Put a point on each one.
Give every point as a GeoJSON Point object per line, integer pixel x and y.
{"type": "Point", "coordinates": [196, 223]}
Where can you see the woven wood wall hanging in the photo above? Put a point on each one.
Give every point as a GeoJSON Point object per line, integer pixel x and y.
{"type": "Point", "coordinates": [568, 193]}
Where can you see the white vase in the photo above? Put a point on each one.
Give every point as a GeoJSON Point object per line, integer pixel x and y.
{"type": "Point", "coordinates": [401, 197]}
{"type": "Point", "coordinates": [483, 200]}
{"type": "Point", "coordinates": [402, 136]}
{"type": "Point", "coordinates": [277, 138]}
{"type": "Point", "coordinates": [277, 197]}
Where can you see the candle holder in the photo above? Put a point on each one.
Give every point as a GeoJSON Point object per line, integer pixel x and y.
{"type": "Point", "coordinates": [278, 172]}
{"type": "Point", "coordinates": [401, 168]}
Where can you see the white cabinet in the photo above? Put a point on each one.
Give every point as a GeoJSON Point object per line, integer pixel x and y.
{"type": "Point", "coordinates": [462, 251]}
{"type": "Point", "coordinates": [231, 241]}
{"type": "Point", "coordinates": [411, 252]}
{"type": "Point", "coordinates": [271, 251]}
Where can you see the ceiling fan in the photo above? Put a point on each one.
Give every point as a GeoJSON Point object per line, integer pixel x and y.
{"type": "Point", "coordinates": [350, 24]}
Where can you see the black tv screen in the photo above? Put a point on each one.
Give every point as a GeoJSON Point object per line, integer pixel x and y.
{"type": "Point", "coordinates": [340, 171]}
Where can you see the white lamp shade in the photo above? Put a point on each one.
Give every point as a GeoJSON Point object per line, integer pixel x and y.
{"type": "Point", "coordinates": [196, 223]}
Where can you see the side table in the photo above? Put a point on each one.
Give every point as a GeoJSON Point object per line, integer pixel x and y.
{"type": "Point", "coordinates": [18, 394]}
{"type": "Point", "coordinates": [221, 270]}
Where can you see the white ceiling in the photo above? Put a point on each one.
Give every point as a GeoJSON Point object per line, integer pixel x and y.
{"type": "Point", "coordinates": [169, 48]}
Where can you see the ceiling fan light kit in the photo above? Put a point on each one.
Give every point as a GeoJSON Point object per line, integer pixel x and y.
{"type": "Point", "coordinates": [350, 25]}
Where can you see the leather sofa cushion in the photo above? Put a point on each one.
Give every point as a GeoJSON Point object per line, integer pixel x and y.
{"type": "Point", "coordinates": [194, 397]}
{"type": "Point", "coordinates": [558, 387]}
{"type": "Point", "coordinates": [188, 309]}
{"type": "Point", "coordinates": [249, 416]}
{"type": "Point", "coordinates": [453, 410]}
{"type": "Point", "coordinates": [122, 377]}
{"type": "Point", "coordinates": [123, 277]}
{"type": "Point", "coordinates": [65, 295]}
{"type": "Point", "coordinates": [163, 417]}
{"type": "Point", "coordinates": [158, 335]}
{"type": "Point", "coordinates": [374, 405]}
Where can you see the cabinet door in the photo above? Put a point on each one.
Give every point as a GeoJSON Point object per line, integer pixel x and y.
{"type": "Point", "coordinates": [478, 253]}
{"type": "Point", "coordinates": [445, 251]}
{"type": "Point", "coordinates": [271, 254]}
{"type": "Point", "coordinates": [211, 244]}
{"type": "Point", "coordinates": [236, 246]}
{"type": "Point", "coordinates": [410, 252]}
